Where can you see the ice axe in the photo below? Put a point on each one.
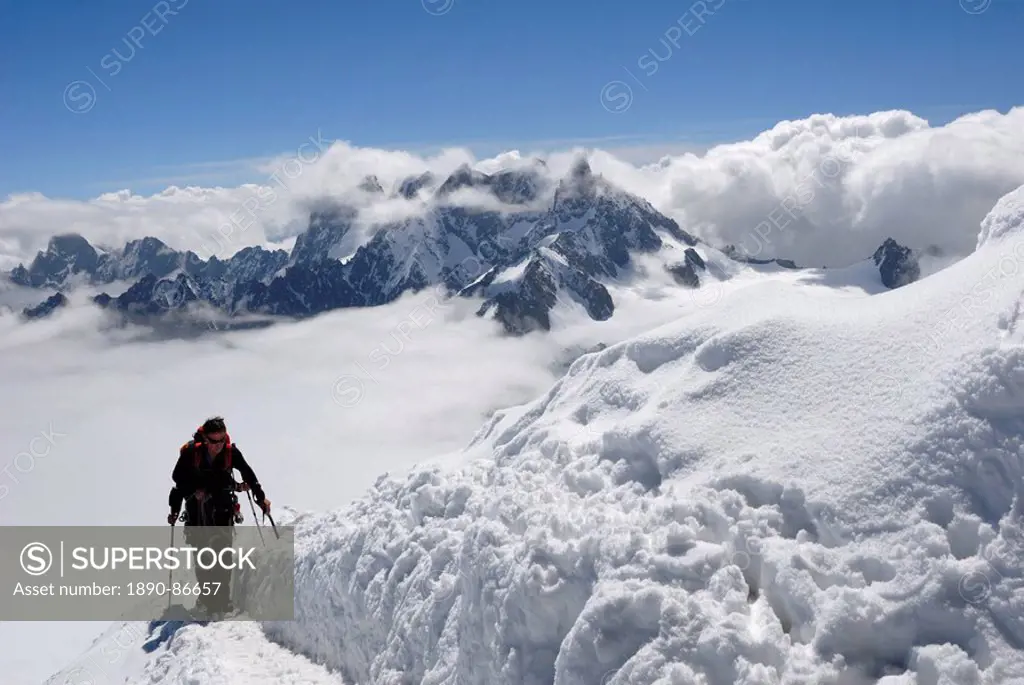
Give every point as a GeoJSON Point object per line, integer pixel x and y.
{"type": "Point", "coordinates": [265, 515]}
{"type": "Point", "coordinates": [272, 524]}
{"type": "Point", "coordinates": [170, 573]}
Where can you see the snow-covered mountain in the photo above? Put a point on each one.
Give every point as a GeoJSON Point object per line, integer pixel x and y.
{"type": "Point", "coordinates": [803, 484]}
{"type": "Point", "coordinates": [588, 225]}
{"type": "Point", "coordinates": [537, 247]}
{"type": "Point", "coordinates": [522, 296]}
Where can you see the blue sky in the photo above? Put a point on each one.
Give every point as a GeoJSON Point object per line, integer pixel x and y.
{"type": "Point", "coordinates": [209, 86]}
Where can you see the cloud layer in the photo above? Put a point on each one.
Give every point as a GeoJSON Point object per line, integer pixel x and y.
{"type": "Point", "coordinates": [824, 190]}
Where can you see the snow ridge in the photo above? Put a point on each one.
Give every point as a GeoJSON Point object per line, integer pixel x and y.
{"type": "Point", "coordinates": [791, 487]}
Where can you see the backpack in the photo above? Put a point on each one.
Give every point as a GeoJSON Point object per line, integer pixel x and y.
{"type": "Point", "coordinates": [196, 443]}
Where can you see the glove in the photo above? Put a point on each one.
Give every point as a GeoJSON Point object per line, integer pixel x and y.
{"type": "Point", "coordinates": [172, 517]}
{"type": "Point", "coordinates": [241, 487]}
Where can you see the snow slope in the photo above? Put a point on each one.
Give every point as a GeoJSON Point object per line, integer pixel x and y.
{"type": "Point", "coordinates": [787, 485]}
{"type": "Point", "coordinates": [783, 488]}
{"type": "Point", "coordinates": [214, 654]}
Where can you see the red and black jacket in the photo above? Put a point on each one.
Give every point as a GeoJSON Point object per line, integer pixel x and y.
{"type": "Point", "coordinates": [194, 471]}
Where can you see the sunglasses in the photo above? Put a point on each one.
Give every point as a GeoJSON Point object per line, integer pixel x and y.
{"type": "Point", "coordinates": [216, 442]}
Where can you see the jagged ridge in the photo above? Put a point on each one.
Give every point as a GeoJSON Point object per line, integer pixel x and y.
{"type": "Point", "coordinates": [522, 261]}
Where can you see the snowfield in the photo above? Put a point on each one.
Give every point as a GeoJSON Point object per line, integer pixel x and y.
{"type": "Point", "coordinates": [779, 488]}
{"type": "Point", "coordinates": [789, 485]}
{"type": "Point", "coordinates": [216, 654]}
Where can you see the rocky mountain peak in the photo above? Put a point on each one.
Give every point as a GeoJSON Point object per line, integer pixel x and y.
{"type": "Point", "coordinates": [896, 263]}
{"type": "Point", "coordinates": [411, 186]}
{"type": "Point", "coordinates": [370, 184]}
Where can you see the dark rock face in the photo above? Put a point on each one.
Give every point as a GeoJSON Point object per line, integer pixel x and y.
{"type": "Point", "coordinates": [695, 259]}
{"type": "Point", "coordinates": [517, 187]}
{"type": "Point", "coordinates": [511, 186]}
{"type": "Point", "coordinates": [525, 307]}
{"type": "Point", "coordinates": [46, 307]}
{"type": "Point", "coordinates": [733, 253]}
{"type": "Point", "coordinates": [153, 296]}
{"type": "Point", "coordinates": [411, 186]}
{"type": "Point", "coordinates": [686, 273]}
{"type": "Point", "coordinates": [524, 304]}
{"type": "Point", "coordinates": [326, 229]}
{"type": "Point", "coordinates": [897, 264]}
{"type": "Point", "coordinates": [522, 261]}
{"type": "Point", "coordinates": [300, 291]}
{"type": "Point", "coordinates": [71, 256]}
{"type": "Point", "coordinates": [140, 257]}
{"type": "Point", "coordinates": [590, 232]}
{"type": "Point", "coordinates": [463, 177]}
{"type": "Point", "coordinates": [248, 264]}
{"type": "Point", "coordinates": [370, 184]}
{"type": "Point", "coordinates": [66, 256]}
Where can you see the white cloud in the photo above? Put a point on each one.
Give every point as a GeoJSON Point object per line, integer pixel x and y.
{"type": "Point", "coordinates": [822, 190]}
{"type": "Point", "coordinates": [91, 380]}
{"type": "Point", "coordinates": [128, 405]}
{"type": "Point", "coordinates": [829, 190]}
{"type": "Point", "coordinates": [736, 452]}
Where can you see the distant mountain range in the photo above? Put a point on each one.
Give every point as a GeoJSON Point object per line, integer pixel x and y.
{"type": "Point", "coordinates": [520, 261]}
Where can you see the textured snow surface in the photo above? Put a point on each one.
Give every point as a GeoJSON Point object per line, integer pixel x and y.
{"type": "Point", "coordinates": [788, 485]}
{"type": "Point", "coordinates": [1005, 218]}
{"type": "Point", "coordinates": [783, 488]}
{"type": "Point", "coordinates": [136, 653]}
